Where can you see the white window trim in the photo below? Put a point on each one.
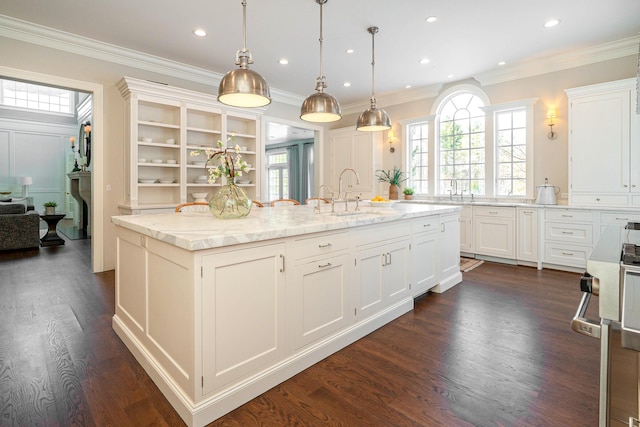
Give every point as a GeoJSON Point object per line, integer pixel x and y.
{"type": "Point", "coordinates": [491, 112]}
{"type": "Point", "coordinates": [406, 160]}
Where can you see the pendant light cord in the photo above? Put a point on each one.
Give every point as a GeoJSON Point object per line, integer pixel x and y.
{"type": "Point", "coordinates": [373, 31]}
{"type": "Point", "coordinates": [321, 74]}
{"type": "Point", "coordinates": [244, 25]}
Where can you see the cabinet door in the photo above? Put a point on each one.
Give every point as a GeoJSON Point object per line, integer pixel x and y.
{"type": "Point", "coordinates": [321, 298]}
{"type": "Point", "coordinates": [494, 236]}
{"type": "Point", "coordinates": [527, 235]}
{"type": "Point", "coordinates": [369, 281]}
{"type": "Point", "coordinates": [396, 271]}
{"type": "Point", "coordinates": [243, 313]}
{"type": "Point", "coordinates": [466, 229]}
{"type": "Point", "coordinates": [362, 161]}
{"type": "Point", "coordinates": [424, 259]}
{"type": "Point", "coordinates": [599, 149]}
{"type": "Point", "coordinates": [449, 260]}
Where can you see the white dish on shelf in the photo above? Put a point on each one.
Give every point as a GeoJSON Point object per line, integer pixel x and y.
{"type": "Point", "coordinates": [200, 181]}
{"type": "Point", "coordinates": [198, 163]}
{"type": "Point", "coordinates": [243, 181]}
{"type": "Point", "coordinates": [157, 161]}
{"type": "Point", "coordinates": [170, 141]}
{"type": "Point", "coordinates": [147, 139]}
{"type": "Point", "coordinates": [147, 181]}
{"type": "Point", "coordinates": [142, 160]}
{"type": "Point", "coordinates": [167, 181]}
{"type": "Point", "coordinates": [172, 161]}
{"type": "Point", "coordinates": [243, 148]}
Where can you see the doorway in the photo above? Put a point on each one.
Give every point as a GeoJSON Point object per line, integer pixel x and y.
{"type": "Point", "coordinates": [291, 159]}
{"type": "Point", "coordinates": [96, 90]}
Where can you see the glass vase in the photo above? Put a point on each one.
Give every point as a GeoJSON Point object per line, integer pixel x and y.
{"type": "Point", "coordinates": [230, 202]}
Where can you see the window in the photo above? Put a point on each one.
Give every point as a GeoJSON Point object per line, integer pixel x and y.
{"type": "Point", "coordinates": [278, 174]}
{"type": "Point", "coordinates": [462, 145]}
{"type": "Point", "coordinates": [511, 153]}
{"type": "Point", "coordinates": [418, 142]}
{"type": "Point", "coordinates": [22, 95]}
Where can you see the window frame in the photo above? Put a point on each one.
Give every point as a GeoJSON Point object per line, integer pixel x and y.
{"type": "Point", "coordinates": [41, 89]}
{"type": "Point", "coordinates": [428, 121]}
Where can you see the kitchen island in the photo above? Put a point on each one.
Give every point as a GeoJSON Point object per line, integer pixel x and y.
{"type": "Point", "coordinates": [217, 312]}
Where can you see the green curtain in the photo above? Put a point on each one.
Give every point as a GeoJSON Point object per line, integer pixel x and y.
{"type": "Point", "coordinates": [294, 172]}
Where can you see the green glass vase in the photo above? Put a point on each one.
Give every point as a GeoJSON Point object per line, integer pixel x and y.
{"type": "Point", "coordinates": [230, 202]}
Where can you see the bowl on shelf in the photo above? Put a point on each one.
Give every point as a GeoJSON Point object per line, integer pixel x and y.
{"type": "Point", "coordinates": [167, 181]}
{"type": "Point", "coordinates": [142, 160]}
{"type": "Point", "coordinates": [147, 139]}
{"type": "Point", "coordinates": [243, 181]}
{"type": "Point", "coordinates": [170, 141]}
{"type": "Point", "coordinates": [243, 148]}
{"type": "Point", "coordinates": [172, 162]}
{"type": "Point", "coordinates": [157, 161]}
{"type": "Point", "coordinates": [147, 181]}
{"type": "Point", "coordinates": [198, 162]}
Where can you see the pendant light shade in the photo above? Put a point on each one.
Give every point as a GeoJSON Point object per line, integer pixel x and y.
{"type": "Point", "coordinates": [320, 107]}
{"type": "Point", "coordinates": [373, 119]}
{"type": "Point", "coordinates": [244, 87]}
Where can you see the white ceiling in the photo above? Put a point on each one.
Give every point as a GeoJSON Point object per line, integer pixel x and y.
{"type": "Point", "coordinates": [469, 38]}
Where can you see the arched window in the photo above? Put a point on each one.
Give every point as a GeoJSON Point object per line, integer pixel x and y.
{"type": "Point", "coordinates": [461, 147]}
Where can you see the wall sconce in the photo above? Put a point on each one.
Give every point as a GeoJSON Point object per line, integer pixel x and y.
{"type": "Point", "coordinates": [551, 114]}
{"type": "Point", "coordinates": [392, 139]}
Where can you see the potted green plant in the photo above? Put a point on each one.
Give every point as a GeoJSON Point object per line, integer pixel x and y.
{"type": "Point", "coordinates": [408, 193]}
{"type": "Point", "coordinates": [50, 208]}
{"type": "Point", "coordinates": [395, 178]}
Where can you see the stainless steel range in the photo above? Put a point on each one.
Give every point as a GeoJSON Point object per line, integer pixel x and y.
{"type": "Point", "coordinates": [613, 274]}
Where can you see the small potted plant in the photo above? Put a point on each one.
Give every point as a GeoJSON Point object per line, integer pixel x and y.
{"type": "Point", "coordinates": [408, 193]}
{"type": "Point", "coordinates": [50, 208]}
{"type": "Point", "coordinates": [394, 178]}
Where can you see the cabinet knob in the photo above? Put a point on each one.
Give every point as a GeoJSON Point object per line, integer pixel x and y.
{"type": "Point", "coordinates": [597, 199]}
{"type": "Point", "coordinates": [625, 185]}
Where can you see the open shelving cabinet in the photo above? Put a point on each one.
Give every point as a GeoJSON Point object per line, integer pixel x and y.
{"type": "Point", "coordinates": [165, 125]}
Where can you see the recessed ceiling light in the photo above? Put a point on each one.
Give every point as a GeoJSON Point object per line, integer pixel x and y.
{"type": "Point", "coordinates": [450, 76]}
{"type": "Point", "coordinates": [199, 32]}
{"type": "Point", "coordinates": [551, 23]}
{"type": "Point", "coordinates": [407, 87]}
{"type": "Point", "coordinates": [431, 19]}
{"type": "Point", "coordinates": [501, 63]}
{"type": "Point", "coordinates": [425, 61]}
{"type": "Point", "coordinates": [283, 61]}
{"type": "Point", "coordinates": [349, 50]}
{"type": "Point", "coordinates": [346, 84]}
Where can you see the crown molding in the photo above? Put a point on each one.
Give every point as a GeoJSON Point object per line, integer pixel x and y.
{"type": "Point", "coordinates": [28, 32]}
{"type": "Point", "coordinates": [564, 61]}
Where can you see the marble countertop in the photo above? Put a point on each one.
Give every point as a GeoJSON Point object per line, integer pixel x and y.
{"type": "Point", "coordinates": [446, 202]}
{"type": "Point", "coordinates": [201, 230]}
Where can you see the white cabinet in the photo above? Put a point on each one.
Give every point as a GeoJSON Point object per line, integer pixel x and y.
{"type": "Point", "coordinates": [494, 231]}
{"type": "Point", "coordinates": [321, 286]}
{"type": "Point", "coordinates": [568, 236]}
{"type": "Point", "coordinates": [449, 253]}
{"type": "Point", "coordinates": [382, 267]}
{"type": "Point", "coordinates": [466, 229]}
{"type": "Point", "coordinates": [243, 313]}
{"type": "Point", "coordinates": [604, 152]}
{"type": "Point", "coordinates": [164, 125]}
{"type": "Point", "coordinates": [424, 254]}
{"type": "Point", "coordinates": [361, 151]}
{"type": "Point", "coordinates": [528, 234]}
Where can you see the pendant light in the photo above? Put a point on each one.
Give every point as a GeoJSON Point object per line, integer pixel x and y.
{"type": "Point", "coordinates": [320, 107]}
{"type": "Point", "coordinates": [243, 87]}
{"type": "Point", "coordinates": [373, 119]}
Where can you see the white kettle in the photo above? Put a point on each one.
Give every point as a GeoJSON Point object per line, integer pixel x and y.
{"type": "Point", "coordinates": [547, 193]}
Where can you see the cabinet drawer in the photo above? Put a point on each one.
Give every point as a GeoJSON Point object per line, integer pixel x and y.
{"type": "Point", "coordinates": [321, 244]}
{"type": "Point", "coordinates": [495, 212]}
{"type": "Point", "coordinates": [618, 217]}
{"type": "Point", "coordinates": [569, 255]}
{"type": "Point", "coordinates": [569, 215]}
{"type": "Point", "coordinates": [428, 224]}
{"type": "Point", "coordinates": [599, 199]}
{"type": "Point", "coordinates": [569, 232]}
{"type": "Point", "coordinates": [380, 233]}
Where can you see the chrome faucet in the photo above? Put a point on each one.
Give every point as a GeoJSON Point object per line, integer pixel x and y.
{"type": "Point", "coordinates": [316, 208]}
{"type": "Point", "coordinates": [340, 185]}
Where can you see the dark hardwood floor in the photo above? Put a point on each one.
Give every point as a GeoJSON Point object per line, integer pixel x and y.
{"type": "Point", "coordinates": [496, 350]}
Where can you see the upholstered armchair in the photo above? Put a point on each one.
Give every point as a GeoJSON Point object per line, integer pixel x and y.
{"type": "Point", "coordinates": [19, 228]}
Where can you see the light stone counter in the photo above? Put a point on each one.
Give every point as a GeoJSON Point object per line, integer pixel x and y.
{"type": "Point", "coordinates": [201, 230]}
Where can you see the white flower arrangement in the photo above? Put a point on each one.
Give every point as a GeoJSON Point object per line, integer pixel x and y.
{"type": "Point", "coordinates": [222, 163]}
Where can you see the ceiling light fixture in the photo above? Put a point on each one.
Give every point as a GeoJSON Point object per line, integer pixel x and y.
{"type": "Point", "coordinates": [320, 107]}
{"type": "Point", "coordinates": [243, 87]}
{"type": "Point", "coordinates": [425, 60]}
{"type": "Point", "coordinates": [283, 61]}
{"type": "Point", "coordinates": [199, 32]}
{"type": "Point", "coordinates": [346, 84]}
{"type": "Point", "coordinates": [501, 63]}
{"type": "Point", "coordinates": [431, 19]}
{"type": "Point", "coordinates": [373, 119]}
{"type": "Point", "coordinates": [349, 50]}
{"type": "Point", "coordinates": [551, 23]}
